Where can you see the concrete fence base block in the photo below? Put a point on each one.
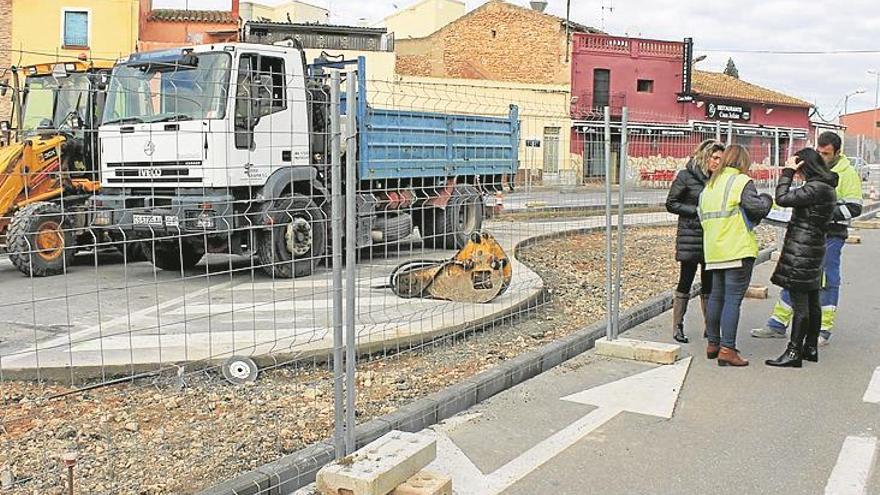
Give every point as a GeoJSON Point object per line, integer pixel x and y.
{"type": "Point", "coordinates": [380, 466]}
{"type": "Point", "coordinates": [425, 483]}
{"type": "Point", "coordinates": [853, 239]}
{"type": "Point", "coordinates": [867, 224]}
{"type": "Point", "coordinates": [638, 350]}
{"type": "Point", "coordinates": [757, 292]}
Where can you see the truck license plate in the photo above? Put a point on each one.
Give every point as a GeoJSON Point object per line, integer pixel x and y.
{"type": "Point", "coordinates": [147, 219]}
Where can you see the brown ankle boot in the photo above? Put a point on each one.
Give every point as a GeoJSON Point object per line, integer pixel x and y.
{"type": "Point", "coordinates": [712, 350]}
{"type": "Point", "coordinates": [730, 357]}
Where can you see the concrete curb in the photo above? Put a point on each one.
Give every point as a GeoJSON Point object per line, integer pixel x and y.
{"type": "Point", "coordinates": [297, 470]}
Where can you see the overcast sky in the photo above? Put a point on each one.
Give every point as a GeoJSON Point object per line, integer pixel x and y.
{"type": "Point", "coordinates": [716, 26]}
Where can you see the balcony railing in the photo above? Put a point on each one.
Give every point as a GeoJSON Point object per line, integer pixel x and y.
{"type": "Point", "coordinates": [634, 47]}
{"type": "Point", "coordinates": [587, 107]}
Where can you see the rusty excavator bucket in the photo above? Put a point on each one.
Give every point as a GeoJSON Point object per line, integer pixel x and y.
{"type": "Point", "coordinates": [478, 273]}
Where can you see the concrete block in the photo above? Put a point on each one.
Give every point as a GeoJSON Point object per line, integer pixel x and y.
{"type": "Point", "coordinates": [774, 256]}
{"type": "Point", "coordinates": [757, 292]}
{"type": "Point", "coordinates": [425, 483]}
{"type": "Point", "coordinates": [638, 350]}
{"type": "Point", "coordinates": [379, 467]}
{"type": "Point", "coordinates": [853, 239]}
{"type": "Point", "coordinates": [866, 224]}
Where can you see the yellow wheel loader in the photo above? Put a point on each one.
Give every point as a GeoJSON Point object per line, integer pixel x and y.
{"type": "Point", "coordinates": [49, 170]}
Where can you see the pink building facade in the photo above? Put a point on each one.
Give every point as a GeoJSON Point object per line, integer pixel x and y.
{"type": "Point", "coordinates": [671, 107]}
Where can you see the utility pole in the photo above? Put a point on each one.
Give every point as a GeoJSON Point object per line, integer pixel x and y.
{"type": "Point", "coordinates": [568, 47]}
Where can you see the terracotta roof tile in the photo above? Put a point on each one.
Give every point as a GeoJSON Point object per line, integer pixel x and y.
{"type": "Point", "coordinates": [720, 85]}
{"type": "Point", "coordinates": [180, 15]}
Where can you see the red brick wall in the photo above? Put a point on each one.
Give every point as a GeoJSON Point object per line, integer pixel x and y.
{"type": "Point", "coordinates": [497, 41]}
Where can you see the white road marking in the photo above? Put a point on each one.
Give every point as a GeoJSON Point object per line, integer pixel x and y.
{"type": "Point", "coordinates": [853, 469]}
{"type": "Point", "coordinates": [872, 395]}
{"type": "Point", "coordinates": [653, 392]}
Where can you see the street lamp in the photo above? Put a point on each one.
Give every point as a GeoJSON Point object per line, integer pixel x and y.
{"type": "Point", "coordinates": [846, 98]}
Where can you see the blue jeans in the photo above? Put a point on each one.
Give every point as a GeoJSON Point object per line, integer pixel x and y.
{"type": "Point", "coordinates": [728, 289]}
{"type": "Point", "coordinates": [828, 295]}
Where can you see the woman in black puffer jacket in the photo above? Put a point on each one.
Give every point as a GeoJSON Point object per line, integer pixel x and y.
{"type": "Point", "coordinates": [683, 198]}
{"type": "Point", "coordinates": [800, 266]}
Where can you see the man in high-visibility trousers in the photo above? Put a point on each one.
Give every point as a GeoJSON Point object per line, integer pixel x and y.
{"type": "Point", "coordinates": [849, 206]}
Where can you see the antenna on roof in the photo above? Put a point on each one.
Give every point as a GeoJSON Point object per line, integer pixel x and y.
{"type": "Point", "coordinates": [610, 9]}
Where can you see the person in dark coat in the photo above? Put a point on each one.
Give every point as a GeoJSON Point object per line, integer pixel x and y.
{"type": "Point", "coordinates": [683, 199]}
{"type": "Point", "coordinates": [800, 266]}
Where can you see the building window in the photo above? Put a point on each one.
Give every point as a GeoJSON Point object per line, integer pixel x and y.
{"type": "Point", "coordinates": [877, 124]}
{"type": "Point", "coordinates": [76, 28]}
{"type": "Point", "coordinates": [601, 87]}
{"type": "Point", "coordinates": [645, 86]}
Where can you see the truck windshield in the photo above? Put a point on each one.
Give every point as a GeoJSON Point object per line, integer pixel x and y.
{"type": "Point", "coordinates": [50, 100]}
{"type": "Point", "coordinates": [156, 91]}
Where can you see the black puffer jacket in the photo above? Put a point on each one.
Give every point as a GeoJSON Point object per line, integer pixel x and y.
{"type": "Point", "coordinates": [800, 265]}
{"type": "Point", "coordinates": [683, 198]}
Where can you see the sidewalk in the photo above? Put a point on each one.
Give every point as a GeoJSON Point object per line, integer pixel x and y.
{"type": "Point", "coordinates": [752, 430]}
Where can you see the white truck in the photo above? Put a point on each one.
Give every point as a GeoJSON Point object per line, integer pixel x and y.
{"type": "Point", "coordinates": [225, 148]}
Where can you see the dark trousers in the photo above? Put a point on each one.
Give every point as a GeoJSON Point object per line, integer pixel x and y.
{"type": "Point", "coordinates": [807, 318]}
{"type": "Point", "coordinates": [686, 276]}
{"type": "Point", "coordinates": [728, 289]}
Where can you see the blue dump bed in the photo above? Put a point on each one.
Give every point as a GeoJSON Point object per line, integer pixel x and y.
{"type": "Point", "coordinates": [399, 144]}
{"type": "Point", "coordinates": [402, 144]}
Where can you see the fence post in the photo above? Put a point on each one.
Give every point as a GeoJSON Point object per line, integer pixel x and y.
{"type": "Point", "coordinates": [774, 177]}
{"type": "Point", "coordinates": [718, 131]}
{"type": "Point", "coordinates": [609, 331]}
{"type": "Point", "coordinates": [729, 132]}
{"type": "Point", "coordinates": [621, 187]}
{"type": "Point", "coordinates": [350, 256]}
{"type": "Point", "coordinates": [336, 228]}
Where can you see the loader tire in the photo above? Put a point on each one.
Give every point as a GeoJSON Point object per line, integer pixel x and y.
{"type": "Point", "coordinates": [38, 243]}
{"type": "Point", "coordinates": [173, 256]}
{"type": "Point", "coordinates": [296, 241]}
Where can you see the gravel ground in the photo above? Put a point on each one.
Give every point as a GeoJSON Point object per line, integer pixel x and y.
{"type": "Point", "coordinates": [155, 436]}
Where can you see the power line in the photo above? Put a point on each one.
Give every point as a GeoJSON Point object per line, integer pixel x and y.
{"type": "Point", "coordinates": [794, 52]}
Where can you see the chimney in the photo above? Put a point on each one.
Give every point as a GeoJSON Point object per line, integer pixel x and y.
{"type": "Point", "coordinates": [538, 5]}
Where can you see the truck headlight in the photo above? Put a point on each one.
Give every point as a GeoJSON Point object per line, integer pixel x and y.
{"type": "Point", "coordinates": [102, 219]}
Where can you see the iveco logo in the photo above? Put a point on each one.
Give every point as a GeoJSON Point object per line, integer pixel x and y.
{"type": "Point", "coordinates": [150, 172]}
{"type": "Point", "coordinates": [149, 148]}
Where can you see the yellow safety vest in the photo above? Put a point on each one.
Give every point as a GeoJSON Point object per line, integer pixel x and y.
{"type": "Point", "coordinates": [849, 186]}
{"type": "Point", "coordinates": [727, 235]}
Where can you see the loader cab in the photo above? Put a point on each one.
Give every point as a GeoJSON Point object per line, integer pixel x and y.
{"type": "Point", "coordinates": [67, 99]}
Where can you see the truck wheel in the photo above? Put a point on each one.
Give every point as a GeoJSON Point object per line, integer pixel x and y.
{"type": "Point", "coordinates": [452, 226]}
{"type": "Point", "coordinates": [394, 227]}
{"type": "Point", "coordinates": [296, 242]}
{"type": "Point", "coordinates": [133, 251]}
{"type": "Point", "coordinates": [172, 255]}
{"type": "Point", "coordinates": [37, 241]}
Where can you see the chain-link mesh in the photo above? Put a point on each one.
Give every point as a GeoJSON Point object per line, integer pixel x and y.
{"type": "Point", "coordinates": [175, 310]}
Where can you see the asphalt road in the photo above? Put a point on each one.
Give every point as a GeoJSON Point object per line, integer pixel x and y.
{"type": "Point", "coordinates": [755, 430]}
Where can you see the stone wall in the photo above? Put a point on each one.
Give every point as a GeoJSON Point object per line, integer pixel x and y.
{"type": "Point", "coordinates": [498, 41]}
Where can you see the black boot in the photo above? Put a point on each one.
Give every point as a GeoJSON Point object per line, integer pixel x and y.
{"type": "Point", "coordinates": [679, 308]}
{"type": "Point", "coordinates": [811, 344]}
{"type": "Point", "coordinates": [791, 358]}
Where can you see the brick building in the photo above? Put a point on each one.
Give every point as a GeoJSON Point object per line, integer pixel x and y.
{"type": "Point", "coordinates": [5, 55]}
{"type": "Point", "coordinates": [496, 55]}
{"type": "Point", "coordinates": [165, 28]}
{"type": "Point", "coordinates": [498, 41]}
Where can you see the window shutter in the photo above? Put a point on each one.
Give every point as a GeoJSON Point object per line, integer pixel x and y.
{"type": "Point", "coordinates": [76, 29]}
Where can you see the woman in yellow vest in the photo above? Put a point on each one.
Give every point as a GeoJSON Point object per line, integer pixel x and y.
{"type": "Point", "coordinates": [730, 208]}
